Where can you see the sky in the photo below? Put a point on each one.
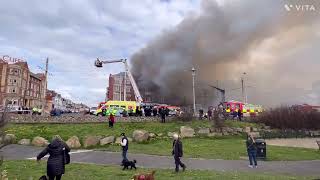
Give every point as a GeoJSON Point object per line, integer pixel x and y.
{"type": "Point", "coordinates": [73, 33]}
{"type": "Point", "coordinates": [277, 47]}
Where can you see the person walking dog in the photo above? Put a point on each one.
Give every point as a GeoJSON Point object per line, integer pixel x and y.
{"type": "Point", "coordinates": [59, 156]}
{"type": "Point", "coordinates": [177, 152]}
{"type": "Point", "coordinates": [125, 146]}
{"type": "Point", "coordinates": [252, 151]}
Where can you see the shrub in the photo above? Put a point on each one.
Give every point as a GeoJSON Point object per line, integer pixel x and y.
{"type": "Point", "coordinates": [290, 118]}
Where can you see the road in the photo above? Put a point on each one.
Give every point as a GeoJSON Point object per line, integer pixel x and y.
{"type": "Point", "coordinates": [303, 168]}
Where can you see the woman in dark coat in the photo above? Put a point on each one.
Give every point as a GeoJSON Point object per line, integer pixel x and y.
{"type": "Point", "coordinates": [56, 161]}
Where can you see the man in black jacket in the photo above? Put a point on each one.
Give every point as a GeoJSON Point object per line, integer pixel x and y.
{"type": "Point", "coordinates": [177, 152]}
{"type": "Point", "coordinates": [125, 146]}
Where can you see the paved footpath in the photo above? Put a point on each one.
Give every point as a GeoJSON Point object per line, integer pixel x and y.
{"type": "Point", "coordinates": [303, 168]}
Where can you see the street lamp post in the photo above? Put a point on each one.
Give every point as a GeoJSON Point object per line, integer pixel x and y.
{"type": "Point", "coordinates": [244, 92]}
{"type": "Point", "coordinates": [193, 91]}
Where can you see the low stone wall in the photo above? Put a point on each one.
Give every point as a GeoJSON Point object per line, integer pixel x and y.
{"type": "Point", "coordinates": [72, 118]}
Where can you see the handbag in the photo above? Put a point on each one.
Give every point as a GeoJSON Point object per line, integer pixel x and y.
{"type": "Point", "coordinates": [66, 156]}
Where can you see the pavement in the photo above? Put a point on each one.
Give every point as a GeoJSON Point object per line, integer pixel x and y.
{"type": "Point", "coordinates": [295, 168]}
{"type": "Point", "coordinates": [295, 142]}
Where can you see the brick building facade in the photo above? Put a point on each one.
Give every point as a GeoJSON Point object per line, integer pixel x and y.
{"type": "Point", "coordinates": [19, 86]}
{"type": "Point", "coordinates": [115, 90]}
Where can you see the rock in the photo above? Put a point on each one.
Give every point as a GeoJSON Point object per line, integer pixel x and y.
{"type": "Point", "coordinates": [107, 140]}
{"type": "Point", "coordinates": [204, 131]}
{"type": "Point", "coordinates": [39, 141]}
{"type": "Point", "coordinates": [228, 130]}
{"type": "Point", "coordinates": [140, 135]}
{"type": "Point", "coordinates": [118, 140]}
{"type": "Point", "coordinates": [239, 130]}
{"type": "Point", "coordinates": [9, 139]}
{"type": "Point", "coordinates": [130, 139]}
{"type": "Point", "coordinates": [91, 141]}
{"type": "Point", "coordinates": [254, 129]}
{"type": "Point", "coordinates": [24, 142]}
{"type": "Point", "coordinates": [160, 134]}
{"type": "Point", "coordinates": [170, 134]}
{"type": "Point", "coordinates": [73, 142]}
{"type": "Point", "coordinates": [152, 135]}
{"type": "Point", "coordinates": [186, 131]}
{"type": "Point", "coordinates": [247, 129]}
{"type": "Point", "coordinates": [225, 133]}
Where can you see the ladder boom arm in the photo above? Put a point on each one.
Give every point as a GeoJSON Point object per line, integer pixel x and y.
{"type": "Point", "coordinates": [133, 83]}
{"type": "Point", "coordinates": [136, 91]}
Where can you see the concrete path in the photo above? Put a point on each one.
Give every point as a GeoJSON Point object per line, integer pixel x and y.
{"type": "Point", "coordinates": [303, 168]}
{"type": "Point", "coordinates": [295, 142]}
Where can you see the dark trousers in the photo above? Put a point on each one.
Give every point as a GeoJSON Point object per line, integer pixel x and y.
{"type": "Point", "coordinates": [111, 124]}
{"type": "Point", "coordinates": [252, 157]}
{"type": "Point", "coordinates": [163, 119]}
{"type": "Point", "coordinates": [178, 163]}
{"type": "Point", "coordinates": [124, 155]}
{"type": "Point", "coordinates": [57, 177]}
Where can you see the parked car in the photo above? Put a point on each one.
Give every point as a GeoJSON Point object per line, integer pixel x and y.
{"type": "Point", "coordinates": [93, 110]}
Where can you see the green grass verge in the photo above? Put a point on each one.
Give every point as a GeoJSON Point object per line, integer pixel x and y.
{"type": "Point", "coordinates": [230, 148]}
{"type": "Point", "coordinates": [24, 170]}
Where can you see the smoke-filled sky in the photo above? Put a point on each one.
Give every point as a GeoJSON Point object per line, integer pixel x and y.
{"type": "Point", "coordinates": [275, 42]}
{"type": "Point", "coordinates": [276, 45]}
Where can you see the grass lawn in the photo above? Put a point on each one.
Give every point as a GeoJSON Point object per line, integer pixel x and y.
{"type": "Point", "coordinates": [23, 170]}
{"type": "Point", "coordinates": [231, 148]}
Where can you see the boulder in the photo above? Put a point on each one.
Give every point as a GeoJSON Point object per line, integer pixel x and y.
{"type": "Point", "coordinates": [39, 141]}
{"type": "Point", "coordinates": [186, 131]}
{"type": "Point", "coordinates": [228, 130]}
{"type": "Point", "coordinates": [9, 139]}
{"type": "Point", "coordinates": [204, 131]}
{"type": "Point", "coordinates": [225, 133]}
{"type": "Point", "coordinates": [91, 141]}
{"type": "Point", "coordinates": [160, 134]}
{"type": "Point", "coordinates": [130, 139]}
{"type": "Point", "coordinates": [107, 140]}
{"type": "Point", "coordinates": [24, 142]}
{"type": "Point", "coordinates": [118, 140]}
{"type": "Point", "coordinates": [152, 135]}
{"type": "Point", "coordinates": [170, 134]}
{"type": "Point", "coordinates": [239, 130]}
{"type": "Point", "coordinates": [73, 142]}
{"type": "Point", "coordinates": [140, 135]}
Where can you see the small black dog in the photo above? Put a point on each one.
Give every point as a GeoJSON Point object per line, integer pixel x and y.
{"type": "Point", "coordinates": [132, 164]}
{"type": "Point", "coordinates": [43, 178]}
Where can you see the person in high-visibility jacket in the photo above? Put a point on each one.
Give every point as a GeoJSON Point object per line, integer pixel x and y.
{"type": "Point", "coordinates": [34, 111]}
{"type": "Point", "coordinates": [107, 112]}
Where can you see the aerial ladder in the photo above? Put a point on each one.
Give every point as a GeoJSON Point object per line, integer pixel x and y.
{"type": "Point", "coordinates": [98, 63]}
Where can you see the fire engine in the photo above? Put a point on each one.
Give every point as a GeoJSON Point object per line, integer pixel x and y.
{"type": "Point", "coordinates": [232, 107]}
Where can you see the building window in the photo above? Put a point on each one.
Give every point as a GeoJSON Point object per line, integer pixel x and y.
{"type": "Point", "coordinates": [128, 89]}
